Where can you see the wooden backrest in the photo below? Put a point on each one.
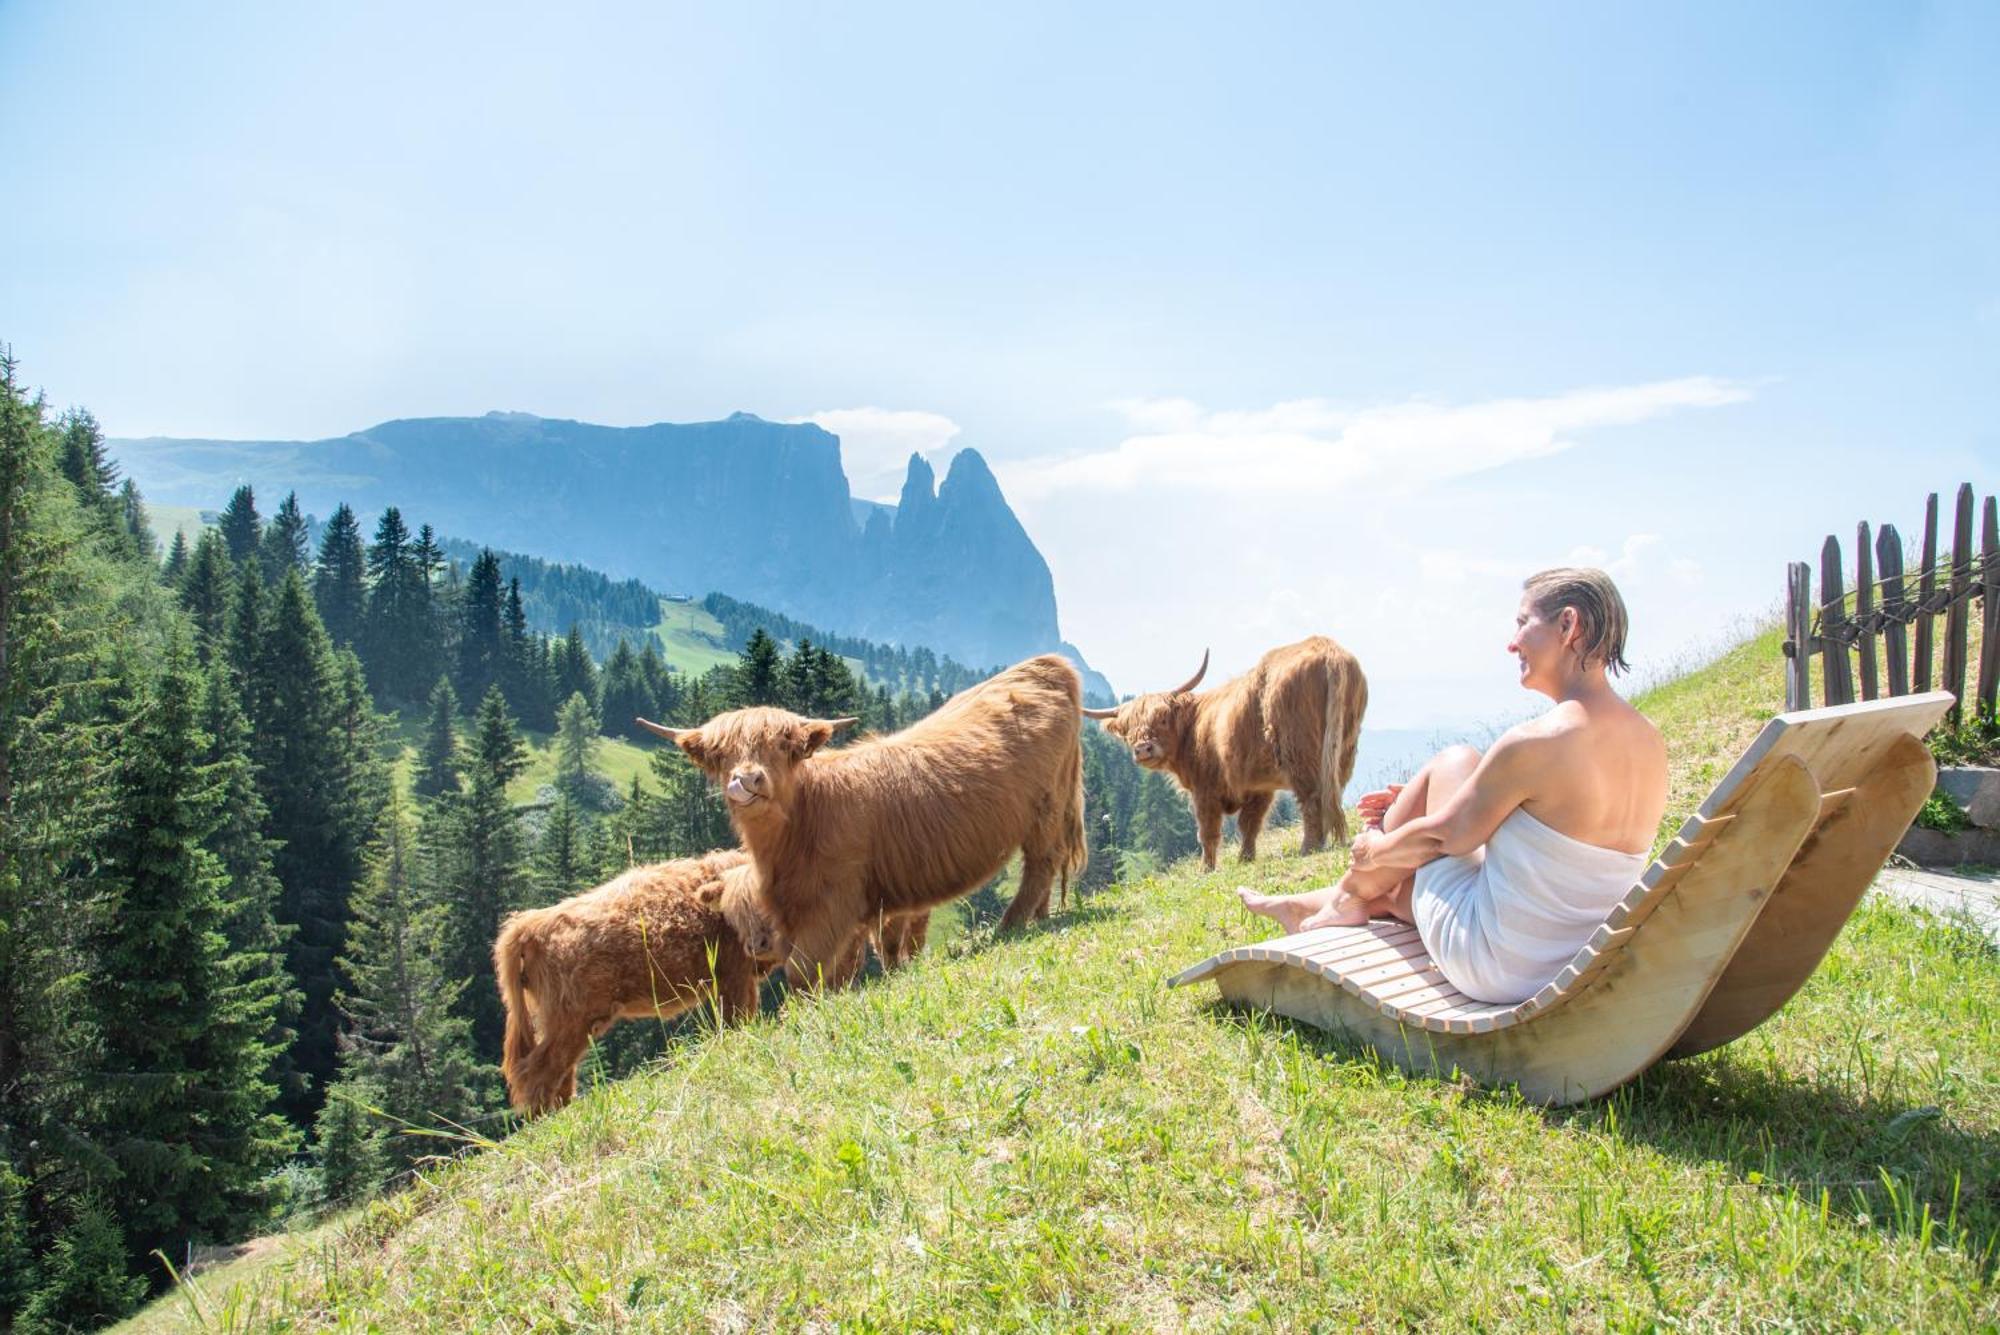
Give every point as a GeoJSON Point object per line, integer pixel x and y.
{"type": "Point", "coordinates": [1839, 746]}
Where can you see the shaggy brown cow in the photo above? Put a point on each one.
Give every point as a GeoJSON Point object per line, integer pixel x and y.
{"type": "Point", "coordinates": [870, 838]}
{"type": "Point", "coordinates": [656, 941]}
{"type": "Point", "coordinates": [1292, 722]}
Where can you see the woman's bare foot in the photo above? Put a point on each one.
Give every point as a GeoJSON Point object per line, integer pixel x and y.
{"type": "Point", "coordinates": [1289, 911]}
{"type": "Point", "coordinates": [1342, 910]}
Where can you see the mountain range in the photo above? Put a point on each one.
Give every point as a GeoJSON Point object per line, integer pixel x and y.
{"type": "Point", "coordinates": [759, 510]}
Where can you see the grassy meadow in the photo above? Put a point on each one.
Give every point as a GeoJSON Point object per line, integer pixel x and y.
{"type": "Point", "coordinates": [1033, 1132]}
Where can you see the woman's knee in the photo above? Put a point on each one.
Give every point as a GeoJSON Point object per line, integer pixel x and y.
{"type": "Point", "coordinates": [1458, 760]}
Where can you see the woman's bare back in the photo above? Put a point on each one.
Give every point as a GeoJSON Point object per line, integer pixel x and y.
{"type": "Point", "coordinates": [1603, 779]}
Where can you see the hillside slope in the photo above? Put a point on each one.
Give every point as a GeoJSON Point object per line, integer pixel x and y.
{"type": "Point", "coordinates": [1034, 1132]}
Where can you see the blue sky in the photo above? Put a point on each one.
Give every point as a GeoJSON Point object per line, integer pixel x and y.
{"type": "Point", "coordinates": [1271, 319]}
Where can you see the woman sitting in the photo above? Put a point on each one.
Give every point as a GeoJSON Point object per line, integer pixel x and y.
{"type": "Point", "coordinates": [1507, 862]}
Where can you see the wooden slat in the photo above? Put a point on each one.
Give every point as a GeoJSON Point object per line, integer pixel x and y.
{"type": "Point", "coordinates": [1958, 616]}
{"type": "Point", "coordinates": [1989, 602]}
{"type": "Point", "coordinates": [1395, 962]}
{"type": "Point", "coordinates": [1423, 974]}
{"type": "Point", "coordinates": [1864, 604]}
{"type": "Point", "coordinates": [1433, 1001]}
{"type": "Point", "coordinates": [1364, 942]}
{"type": "Point", "coordinates": [1835, 673]}
{"type": "Point", "coordinates": [1920, 661]}
{"type": "Point", "coordinates": [1895, 636]}
{"type": "Point", "coordinates": [1798, 632]}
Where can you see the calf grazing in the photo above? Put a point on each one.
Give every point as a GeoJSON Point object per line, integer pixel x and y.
{"type": "Point", "coordinates": [870, 838]}
{"type": "Point", "coordinates": [1292, 722]}
{"type": "Point", "coordinates": [639, 945]}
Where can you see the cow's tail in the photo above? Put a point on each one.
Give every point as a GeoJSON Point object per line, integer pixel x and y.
{"type": "Point", "coordinates": [512, 958]}
{"type": "Point", "coordinates": [1076, 847]}
{"type": "Point", "coordinates": [1333, 744]}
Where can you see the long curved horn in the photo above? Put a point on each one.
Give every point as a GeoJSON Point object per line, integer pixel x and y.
{"type": "Point", "coordinates": [836, 724]}
{"type": "Point", "coordinates": [1100, 713]}
{"type": "Point", "coordinates": [1195, 680]}
{"type": "Point", "coordinates": [673, 735]}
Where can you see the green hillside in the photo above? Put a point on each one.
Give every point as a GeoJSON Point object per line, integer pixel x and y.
{"type": "Point", "coordinates": [691, 640]}
{"type": "Point", "coordinates": [1034, 1132]}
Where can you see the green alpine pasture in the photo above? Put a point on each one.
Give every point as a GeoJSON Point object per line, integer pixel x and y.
{"type": "Point", "coordinates": [1034, 1132]}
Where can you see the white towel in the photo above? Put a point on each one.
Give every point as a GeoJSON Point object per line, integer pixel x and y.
{"type": "Point", "coordinates": [1502, 921]}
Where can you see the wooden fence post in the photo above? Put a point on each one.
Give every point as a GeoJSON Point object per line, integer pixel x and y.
{"type": "Point", "coordinates": [1958, 615]}
{"type": "Point", "coordinates": [1836, 673]}
{"type": "Point", "coordinates": [1895, 637]}
{"type": "Point", "coordinates": [1798, 632]}
{"type": "Point", "coordinates": [1989, 601]}
{"type": "Point", "coordinates": [1926, 585]}
{"type": "Point", "coordinates": [1864, 605]}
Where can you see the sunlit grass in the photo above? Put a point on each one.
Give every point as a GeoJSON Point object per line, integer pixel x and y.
{"type": "Point", "coordinates": [1033, 1131]}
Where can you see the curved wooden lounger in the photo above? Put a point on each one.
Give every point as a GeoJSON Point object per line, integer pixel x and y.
{"type": "Point", "coordinates": [1719, 933]}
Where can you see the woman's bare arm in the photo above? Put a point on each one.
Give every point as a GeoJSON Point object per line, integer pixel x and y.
{"type": "Point", "coordinates": [1506, 777]}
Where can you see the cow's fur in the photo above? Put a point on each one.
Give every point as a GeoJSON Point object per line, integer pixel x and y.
{"type": "Point", "coordinates": [869, 838]}
{"type": "Point", "coordinates": [656, 941]}
{"type": "Point", "coordinates": [1292, 722]}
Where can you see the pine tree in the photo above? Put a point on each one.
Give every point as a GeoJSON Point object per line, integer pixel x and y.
{"type": "Point", "coordinates": [796, 688]}
{"type": "Point", "coordinates": [1162, 824]}
{"type": "Point", "coordinates": [758, 672]}
{"type": "Point", "coordinates": [626, 694]}
{"type": "Point", "coordinates": [242, 529]}
{"type": "Point", "coordinates": [349, 1146]}
{"type": "Point", "coordinates": [177, 560]}
{"type": "Point", "coordinates": [438, 760]}
{"type": "Point", "coordinates": [19, 1275]}
{"type": "Point", "coordinates": [132, 518]}
{"type": "Point", "coordinates": [86, 463]}
{"type": "Point", "coordinates": [833, 692]}
{"type": "Point", "coordinates": [55, 803]}
{"type": "Point", "coordinates": [206, 592]}
{"type": "Point", "coordinates": [186, 1017]}
{"type": "Point", "coordinates": [576, 748]}
{"type": "Point", "coordinates": [84, 1279]}
{"type": "Point", "coordinates": [565, 856]}
{"type": "Point", "coordinates": [405, 1044]}
{"type": "Point", "coordinates": [340, 588]}
{"type": "Point", "coordinates": [394, 641]}
{"type": "Point", "coordinates": [287, 545]}
{"type": "Point", "coordinates": [689, 815]}
{"type": "Point", "coordinates": [245, 853]}
{"type": "Point", "coordinates": [666, 688]}
{"type": "Point", "coordinates": [482, 865]}
{"type": "Point", "coordinates": [482, 646]}
{"type": "Point", "coordinates": [314, 746]}
{"type": "Point", "coordinates": [575, 673]}
{"type": "Point", "coordinates": [245, 647]}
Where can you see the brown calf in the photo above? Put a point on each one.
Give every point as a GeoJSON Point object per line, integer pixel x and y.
{"type": "Point", "coordinates": [870, 838]}
{"type": "Point", "coordinates": [1292, 721]}
{"type": "Point", "coordinates": [656, 941]}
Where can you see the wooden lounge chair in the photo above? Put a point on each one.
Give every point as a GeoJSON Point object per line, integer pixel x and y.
{"type": "Point", "coordinates": [1719, 933]}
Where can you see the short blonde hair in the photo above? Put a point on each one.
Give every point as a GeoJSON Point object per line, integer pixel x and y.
{"type": "Point", "coordinates": [1600, 612]}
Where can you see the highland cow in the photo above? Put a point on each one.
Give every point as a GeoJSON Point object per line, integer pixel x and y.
{"type": "Point", "coordinates": [656, 941]}
{"type": "Point", "coordinates": [1292, 722]}
{"type": "Point", "coordinates": [869, 838]}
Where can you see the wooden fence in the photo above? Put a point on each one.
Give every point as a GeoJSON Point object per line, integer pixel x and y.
{"type": "Point", "coordinates": [1898, 610]}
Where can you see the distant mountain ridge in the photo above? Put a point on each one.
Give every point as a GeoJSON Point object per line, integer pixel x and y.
{"type": "Point", "coordinates": [759, 510]}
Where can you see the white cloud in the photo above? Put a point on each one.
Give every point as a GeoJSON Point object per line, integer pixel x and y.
{"type": "Point", "coordinates": [1319, 445]}
{"type": "Point", "coordinates": [876, 445]}
{"type": "Point", "coordinates": [1228, 531]}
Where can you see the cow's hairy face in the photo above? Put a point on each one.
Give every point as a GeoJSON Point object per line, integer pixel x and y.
{"type": "Point", "coordinates": [1151, 726]}
{"type": "Point", "coordinates": [753, 755]}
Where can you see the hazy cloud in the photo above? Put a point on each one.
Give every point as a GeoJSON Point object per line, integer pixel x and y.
{"type": "Point", "coordinates": [876, 444]}
{"type": "Point", "coordinates": [1318, 444]}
